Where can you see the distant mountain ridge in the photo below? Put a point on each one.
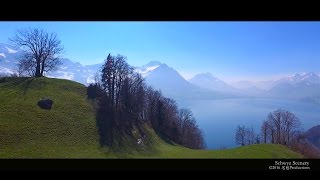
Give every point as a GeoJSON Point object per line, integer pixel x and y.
{"type": "Point", "coordinates": [162, 77]}
{"type": "Point", "coordinates": [310, 77]}
{"type": "Point", "coordinates": [299, 86]}
{"type": "Point", "coordinates": [208, 81]}
{"type": "Point", "coordinates": [303, 86]}
{"type": "Point", "coordinates": [169, 81]}
{"type": "Point", "coordinates": [84, 74]}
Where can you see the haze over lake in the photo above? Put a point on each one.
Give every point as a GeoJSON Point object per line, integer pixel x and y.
{"type": "Point", "coordinates": [219, 118]}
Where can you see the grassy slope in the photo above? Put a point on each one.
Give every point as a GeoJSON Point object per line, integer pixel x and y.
{"type": "Point", "coordinates": [68, 130]}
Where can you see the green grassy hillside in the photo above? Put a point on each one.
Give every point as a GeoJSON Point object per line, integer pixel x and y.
{"type": "Point", "coordinates": [68, 130]}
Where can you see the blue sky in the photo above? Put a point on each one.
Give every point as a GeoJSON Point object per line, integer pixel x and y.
{"type": "Point", "coordinates": [228, 50]}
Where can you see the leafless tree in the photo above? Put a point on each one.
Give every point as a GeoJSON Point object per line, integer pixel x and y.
{"type": "Point", "coordinates": [290, 124]}
{"type": "Point", "coordinates": [274, 121]}
{"type": "Point", "coordinates": [246, 136]}
{"type": "Point", "coordinates": [41, 51]}
{"type": "Point", "coordinates": [257, 139]}
{"type": "Point", "coordinates": [191, 135]}
{"type": "Point", "coordinates": [281, 125]}
{"type": "Point", "coordinates": [241, 135]}
{"type": "Point", "coordinates": [265, 131]}
{"type": "Point", "coordinates": [250, 136]}
{"type": "Point", "coordinates": [25, 66]}
{"type": "Point", "coordinates": [185, 122]}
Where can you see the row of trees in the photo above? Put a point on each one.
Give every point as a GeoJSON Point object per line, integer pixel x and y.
{"type": "Point", "coordinates": [246, 136]}
{"type": "Point", "coordinates": [126, 103]}
{"type": "Point", "coordinates": [280, 127]}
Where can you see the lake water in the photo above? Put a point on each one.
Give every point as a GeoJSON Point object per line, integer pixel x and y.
{"type": "Point", "coordinates": [219, 118]}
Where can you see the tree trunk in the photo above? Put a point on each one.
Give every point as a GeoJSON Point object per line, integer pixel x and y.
{"type": "Point", "coordinates": [42, 69]}
{"type": "Point", "coordinates": [112, 90]}
{"type": "Point", "coordinates": [38, 74]}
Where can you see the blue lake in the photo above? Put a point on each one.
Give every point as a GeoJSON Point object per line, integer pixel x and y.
{"type": "Point", "coordinates": [219, 118]}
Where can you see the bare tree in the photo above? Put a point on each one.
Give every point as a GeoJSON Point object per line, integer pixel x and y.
{"type": "Point", "coordinates": [185, 121]}
{"type": "Point", "coordinates": [191, 135]}
{"type": "Point", "coordinates": [41, 51]}
{"type": "Point", "coordinates": [274, 121]}
{"type": "Point", "coordinates": [257, 139]}
{"type": "Point", "coordinates": [241, 135]}
{"type": "Point", "coordinates": [281, 125]}
{"type": "Point", "coordinates": [250, 136]}
{"type": "Point", "coordinates": [246, 136]}
{"type": "Point", "coordinates": [25, 66]}
{"type": "Point", "coordinates": [265, 131]}
{"type": "Point", "coordinates": [290, 124]}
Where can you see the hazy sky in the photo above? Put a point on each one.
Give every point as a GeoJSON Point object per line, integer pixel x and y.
{"type": "Point", "coordinates": [229, 50]}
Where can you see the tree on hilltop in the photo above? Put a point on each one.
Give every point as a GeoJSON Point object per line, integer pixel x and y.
{"type": "Point", "coordinates": [41, 51]}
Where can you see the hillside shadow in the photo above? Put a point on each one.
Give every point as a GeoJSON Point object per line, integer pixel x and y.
{"type": "Point", "coordinates": [32, 83]}
{"type": "Point", "coordinates": [24, 83]}
{"type": "Point", "coordinates": [165, 139]}
{"type": "Point", "coordinates": [14, 82]}
{"type": "Point", "coordinates": [123, 143]}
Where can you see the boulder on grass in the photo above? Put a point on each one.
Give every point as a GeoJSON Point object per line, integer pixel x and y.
{"type": "Point", "coordinates": [45, 103]}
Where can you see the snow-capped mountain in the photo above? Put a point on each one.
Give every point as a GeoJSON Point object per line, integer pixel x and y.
{"type": "Point", "coordinates": [162, 77]}
{"type": "Point", "coordinates": [307, 78]}
{"type": "Point", "coordinates": [208, 81]}
{"type": "Point", "coordinates": [303, 86]}
{"type": "Point", "coordinates": [146, 69]}
{"type": "Point", "coordinates": [75, 71]}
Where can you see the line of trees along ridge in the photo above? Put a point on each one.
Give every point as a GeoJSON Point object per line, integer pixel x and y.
{"type": "Point", "coordinates": [281, 127]}
{"type": "Point", "coordinates": [126, 104]}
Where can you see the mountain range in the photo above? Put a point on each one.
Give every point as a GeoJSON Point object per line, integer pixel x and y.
{"type": "Point", "coordinates": [300, 86]}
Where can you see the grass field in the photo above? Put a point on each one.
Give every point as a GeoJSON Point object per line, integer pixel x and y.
{"type": "Point", "coordinates": [68, 130]}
